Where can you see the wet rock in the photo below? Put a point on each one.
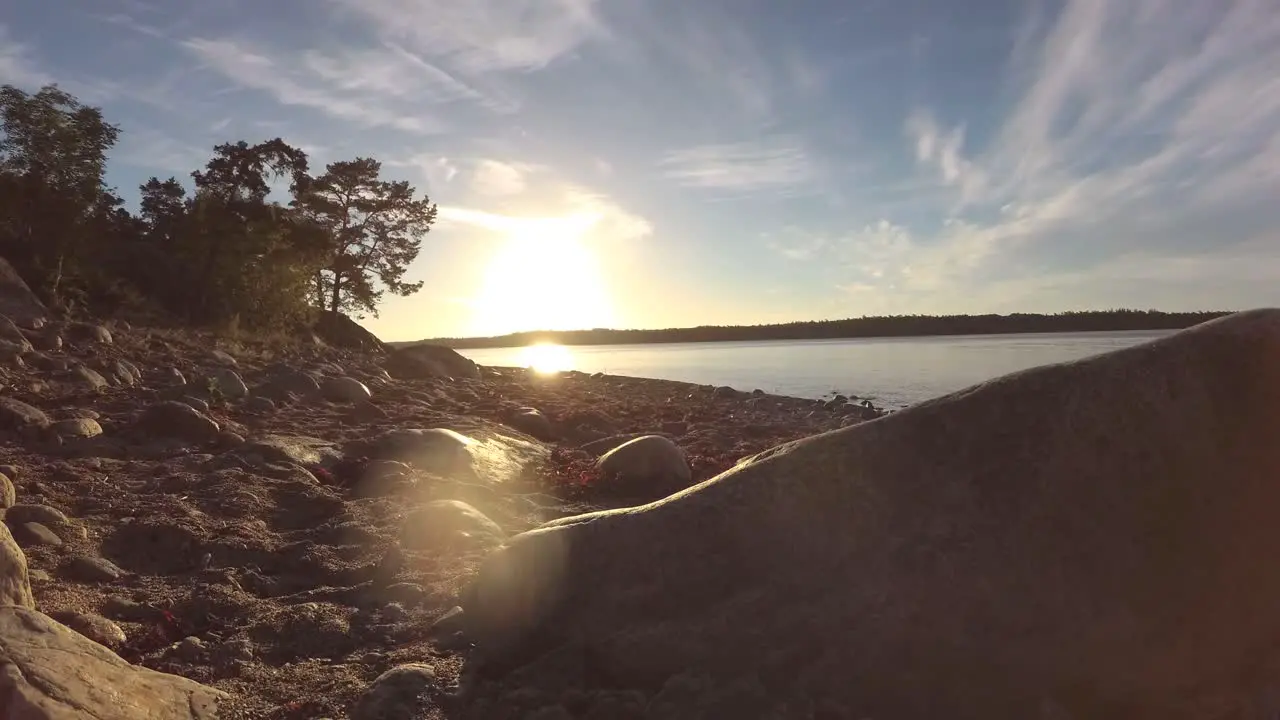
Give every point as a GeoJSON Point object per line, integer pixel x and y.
{"type": "Point", "coordinates": [18, 416]}
{"type": "Point", "coordinates": [87, 333]}
{"type": "Point", "coordinates": [401, 692]}
{"type": "Point", "coordinates": [95, 627]}
{"type": "Point", "coordinates": [55, 673]}
{"type": "Point", "coordinates": [435, 450]}
{"type": "Point", "coordinates": [228, 383]}
{"type": "Point", "coordinates": [91, 569]}
{"type": "Point", "coordinates": [647, 467]}
{"type": "Point", "coordinates": [89, 377]}
{"type": "Point", "coordinates": [79, 427]}
{"type": "Point", "coordinates": [345, 389]}
{"type": "Point", "coordinates": [8, 495]}
{"type": "Point", "coordinates": [171, 419]}
{"type": "Point", "coordinates": [15, 585]}
{"type": "Point", "coordinates": [448, 523]}
{"type": "Point", "coordinates": [33, 534]}
{"type": "Point", "coordinates": [533, 423]}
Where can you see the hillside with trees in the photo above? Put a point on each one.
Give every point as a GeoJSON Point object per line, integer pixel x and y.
{"type": "Point", "coordinates": [863, 327]}
{"type": "Point", "coordinates": [220, 251]}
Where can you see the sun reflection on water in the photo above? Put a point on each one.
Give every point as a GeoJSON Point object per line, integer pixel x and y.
{"type": "Point", "coordinates": [546, 358]}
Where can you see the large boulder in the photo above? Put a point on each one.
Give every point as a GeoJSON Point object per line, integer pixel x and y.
{"type": "Point", "coordinates": [338, 330]}
{"type": "Point", "coordinates": [417, 362]}
{"type": "Point", "coordinates": [18, 416]}
{"type": "Point", "coordinates": [1090, 540]}
{"type": "Point", "coordinates": [173, 419]}
{"type": "Point", "coordinates": [50, 672]}
{"type": "Point", "coordinates": [17, 302]}
{"type": "Point", "coordinates": [648, 467]}
{"type": "Point", "coordinates": [15, 585]}
{"type": "Point", "coordinates": [297, 449]}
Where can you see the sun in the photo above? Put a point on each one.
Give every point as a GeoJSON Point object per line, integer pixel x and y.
{"type": "Point", "coordinates": [546, 358]}
{"type": "Point", "coordinates": [543, 278]}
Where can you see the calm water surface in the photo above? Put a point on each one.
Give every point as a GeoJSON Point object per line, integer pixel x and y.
{"type": "Point", "coordinates": [893, 372]}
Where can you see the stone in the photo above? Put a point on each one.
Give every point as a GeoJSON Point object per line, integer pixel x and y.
{"type": "Point", "coordinates": [87, 333]}
{"type": "Point", "coordinates": [124, 373]}
{"type": "Point", "coordinates": [379, 478]}
{"type": "Point", "coordinates": [533, 423]}
{"type": "Point", "coordinates": [228, 383]}
{"type": "Point", "coordinates": [1093, 532]}
{"type": "Point", "coordinates": [47, 341]}
{"type": "Point", "coordinates": [338, 330]}
{"type": "Point", "coordinates": [11, 334]}
{"type": "Point", "coordinates": [18, 416]}
{"type": "Point", "coordinates": [122, 608]}
{"type": "Point", "coordinates": [650, 467]}
{"type": "Point", "coordinates": [260, 405]}
{"type": "Point", "coordinates": [95, 627]}
{"type": "Point", "coordinates": [50, 672]}
{"type": "Point", "coordinates": [345, 389]}
{"type": "Point", "coordinates": [419, 362]}
{"type": "Point", "coordinates": [8, 495]}
{"type": "Point", "coordinates": [287, 383]}
{"type": "Point", "coordinates": [296, 449]}
{"type": "Point", "coordinates": [40, 361]}
{"type": "Point", "coordinates": [222, 357]}
{"type": "Point", "coordinates": [196, 403]}
{"type": "Point", "coordinates": [172, 419]}
{"type": "Point", "coordinates": [91, 569]}
{"type": "Point", "coordinates": [15, 585]}
{"type": "Point", "coordinates": [43, 514]}
{"type": "Point", "coordinates": [33, 534]}
{"type": "Point", "coordinates": [436, 450]}
{"type": "Point", "coordinates": [90, 377]}
{"type": "Point", "coordinates": [79, 427]}
{"type": "Point", "coordinates": [174, 376]}
{"type": "Point", "coordinates": [448, 523]}
{"type": "Point", "coordinates": [17, 302]}
{"type": "Point", "coordinates": [724, 392]}
{"type": "Point", "coordinates": [401, 692]}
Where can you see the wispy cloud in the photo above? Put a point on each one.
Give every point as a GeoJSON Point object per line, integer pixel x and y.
{"type": "Point", "coordinates": [773, 164]}
{"type": "Point", "coordinates": [480, 36]}
{"type": "Point", "coordinates": [17, 66]}
{"type": "Point", "coordinates": [495, 178]}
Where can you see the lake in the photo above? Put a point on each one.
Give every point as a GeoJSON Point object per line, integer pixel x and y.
{"type": "Point", "coordinates": [892, 372]}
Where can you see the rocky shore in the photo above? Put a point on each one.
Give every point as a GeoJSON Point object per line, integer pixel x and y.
{"type": "Point", "coordinates": [285, 531]}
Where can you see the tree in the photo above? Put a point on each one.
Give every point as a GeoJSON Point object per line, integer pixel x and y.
{"type": "Point", "coordinates": [375, 228]}
{"type": "Point", "coordinates": [52, 167]}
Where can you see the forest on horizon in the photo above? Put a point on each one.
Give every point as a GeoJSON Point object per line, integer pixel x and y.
{"type": "Point", "coordinates": [862, 327]}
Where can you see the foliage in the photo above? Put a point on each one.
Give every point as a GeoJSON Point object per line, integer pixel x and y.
{"type": "Point", "coordinates": [226, 252]}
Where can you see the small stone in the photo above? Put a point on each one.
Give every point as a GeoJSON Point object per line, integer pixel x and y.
{"type": "Point", "coordinates": [80, 427]}
{"type": "Point", "coordinates": [401, 692]}
{"type": "Point", "coordinates": [86, 568]}
{"type": "Point", "coordinates": [222, 357]}
{"type": "Point", "coordinates": [33, 534]}
{"type": "Point", "coordinates": [345, 389]}
{"type": "Point", "coordinates": [43, 514]}
{"type": "Point", "coordinates": [190, 648]}
{"type": "Point", "coordinates": [174, 376]}
{"type": "Point", "coordinates": [195, 403]}
{"type": "Point", "coordinates": [260, 405]}
{"type": "Point", "coordinates": [88, 333]}
{"type": "Point", "coordinates": [90, 377]}
{"type": "Point", "coordinates": [122, 608]}
{"type": "Point", "coordinates": [38, 575]}
{"type": "Point", "coordinates": [95, 627]}
{"type": "Point", "coordinates": [394, 612]}
{"type": "Point", "coordinates": [227, 382]}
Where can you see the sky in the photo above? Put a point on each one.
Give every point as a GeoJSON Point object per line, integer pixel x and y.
{"type": "Point", "coordinates": [663, 163]}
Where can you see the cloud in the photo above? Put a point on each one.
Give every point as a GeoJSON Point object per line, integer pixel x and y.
{"type": "Point", "coordinates": [582, 213]}
{"type": "Point", "coordinates": [776, 163]}
{"type": "Point", "coordinates": [1139, 126]}
{"type": "Point", "coordinates": [481, 36]}
{"type": "Point", "coordinates": [383, 86]}
{"type": "Point", "coordinates": [497, 179]}
{"type": "Point", "coordinates": [17, 67]}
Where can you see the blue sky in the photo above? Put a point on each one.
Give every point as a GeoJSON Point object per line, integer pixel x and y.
{"type": "Point", "coordinates": [655, 163]}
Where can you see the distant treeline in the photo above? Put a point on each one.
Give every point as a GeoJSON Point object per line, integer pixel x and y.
{"type": "Point", "coordinates": [883, 326]}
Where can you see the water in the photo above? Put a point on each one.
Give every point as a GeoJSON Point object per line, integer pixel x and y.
{"type": "Point", "coordinates": [893, 372]}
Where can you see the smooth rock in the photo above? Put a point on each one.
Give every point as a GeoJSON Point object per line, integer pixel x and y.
{"type": "Point", "coordinates": [287, 383]}
{"type": "Point", "coordinates": [448, 523]}
{"type": "Point", "coordinates": [18, 416]}
{"type": "Point", "coordinates": [228, 383]}
{"type": "Point", "coordinates": [401, 692]}
{"type": "Point", "coordinates": [88, 568]}
{"type": "Point", "coordinates": [79, 427]}
{"type": "Point", "coordinates": [171, 419]}
{"type": "Point", "coordinates": [222, 357]}
{"type": "Point", "coordinates": [1098, 533]}
{"type": "Point", "coordinates": [174, 376]}
{"type": "Point", "coordinates": [435, 450]}
{"type": "Point", "coordinates": [33, 534]}
{"type": "Point", "coordinates": [650, 467]}
{"type": "Point", "coordinates": [89, 376]}
{"type": "Point", "coordinates": [50, 672]}
{"type": "Point", "coordinates": [345, 389]}
{"type": "Point", "coordinates": [8, 495]}
{"type": "Point", "coordinates": [43, 514]}
{"type": "Point", "coordinates": [95, 627]}
{"type": "Point", "coordinates": [15, 585]}
{"type": "Point", "coordinates": [533, 423]}
{"type": "Point", "coordinates": [418, 362]}
{"type": "Point", "coordinates": [11, 334]}
{"type": "Point", "coordinates": [196, 403]}
{"type": "Point", "coordinates": [260, 405]}
{"type": "Point", "coordinates": [296, 449]}
{"type": "Point", "coordinates": [79, 333]}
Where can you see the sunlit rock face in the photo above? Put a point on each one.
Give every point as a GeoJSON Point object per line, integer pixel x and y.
{"type": "Point", "coordinates": [1094, 539]}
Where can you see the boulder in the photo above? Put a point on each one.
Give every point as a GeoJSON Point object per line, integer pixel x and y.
{"type": "Point", "coordinates": [18, 416]}
{"type": "Point", "coordinates": [50, 672]}
{"type": "Point", "coordinates": [1093, 536]}
{"type": "Point", "coordinates": [222, 357]}
{"type": "Point", "coordinates": [533, 423]}
{"type": "Point", "coordinates": [448, 523]}
{"type": "Point", "coordinates": [17, 302]}
{"type": "Point", "coordinates": [227, 382]}
{"type": "Point", "coordinates": [650, 466]}
{"type": "Point", "coordinates": [432, 450]}
{"type": "Point", "coordinates": [95, 627]}
{"type": "Point", "coordinates": [289, 382]}
{"type": "Point", "coordinates": [296, 449]}
{"type": "Point", "coordinates": [172, 419]}
{"type": "Point", "coordinates": [345, 389]}
{"type": "Point", "coordinates": [417, 362]}
{"type": "Point", "coordinates": [89, 377]}
{"type": "Point", "coordinates": [11, 334]}
{"type": "Point", "coordinates": [338, 330]}
{"type": "Point", "coordinates": [47, 341]}
{"type": "Point", "coordinates": [34, 534]}
{"type": "Point", "coordinates": [77, 428]}
{"type": "Point", "coordinates": [15, 586]}
{"type": "Point", "coordinates": [8, 496]}
{"type": "Point", "coordinates": [401, 692]}
{"type": "Point", "coordinates": [83, 333]}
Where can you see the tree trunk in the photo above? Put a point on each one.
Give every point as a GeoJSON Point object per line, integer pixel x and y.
{"type": "Point", "coordinates": [337, 292]}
